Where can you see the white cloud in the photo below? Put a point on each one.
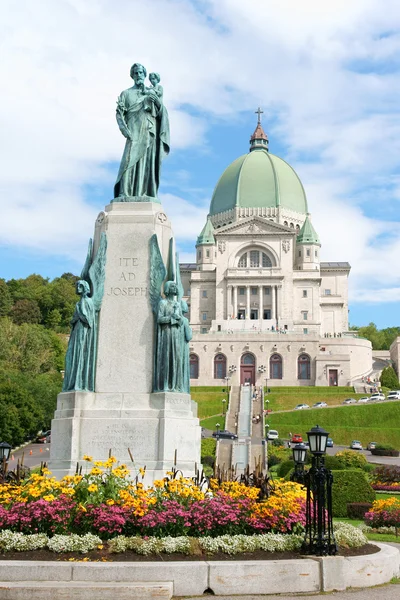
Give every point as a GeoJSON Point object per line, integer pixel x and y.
{"type": "Point", "coordinates": [321, 70]}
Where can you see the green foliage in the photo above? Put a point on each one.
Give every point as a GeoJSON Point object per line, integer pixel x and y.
{"type": "Point", "coordinates": [333, 463]}
{"type": "Point", "coordinates": [284, 468]}
{"type": "Point", "coordinates": [277, 454]}
{"type": "Point", "coordinates": [381, 339]}
{"type": "Point", "coordinates": [378, 422]}
{"type": "Point", "coordinates": [389, 378]}
{"type": "Point", "coordinates": [26, 311]}
{"type": "Point", "coordinates": [211, 423]}
{"type": "Point", "coordinates": [351, 459]}
{"type": "Point", "coordinates": [5, 299]}
{"type": "Point", "coordinates": [349, 486]}
{"type": "Point", "coordinates": [208, 447]}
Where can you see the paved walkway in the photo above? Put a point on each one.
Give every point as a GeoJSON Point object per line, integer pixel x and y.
{"type": "Point", "coordinates": [385, 592]}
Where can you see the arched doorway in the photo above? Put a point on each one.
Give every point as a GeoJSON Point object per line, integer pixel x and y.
{"type": "Point", "coordinates": [194, 366]}
{"type": "Point", "coordinates": [247, 369]}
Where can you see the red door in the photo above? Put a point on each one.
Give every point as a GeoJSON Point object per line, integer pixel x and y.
{"type": "Point", "coordinates": [333, 378]}
{"type": "Point", "coordinates": [247, 374]}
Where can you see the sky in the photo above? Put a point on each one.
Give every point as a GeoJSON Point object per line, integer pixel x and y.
{"type": "Point", "coordinates": [325, 74]}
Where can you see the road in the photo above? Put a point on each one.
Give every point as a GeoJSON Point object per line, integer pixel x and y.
{"type": "Point", "coordinates": [34, 454]}
{"type": "Point", "coordinates": [384, 592]}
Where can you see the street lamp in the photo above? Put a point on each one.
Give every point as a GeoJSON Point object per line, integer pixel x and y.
{"type": "Point", "coordinates": [5, 451]}
{"type": "Point", "coordinates": [299, 452]}
{"type": "Point", "coordinates": [217, 425]}
{"type": "Point", "coordinates": [319, 538]}
{"type": "Point", "coordinates": [223, 406]}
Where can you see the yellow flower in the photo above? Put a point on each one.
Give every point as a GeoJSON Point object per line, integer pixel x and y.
{"type": "Point", "coordinates": [87, 457]}
{"type": "Point", "coordinates": [98, 463]}
{"type": "Point", "coordinates": [82, 508]}
{"type": "Point", "coordinates": [93, 487]}
{"type": "Point", "coordinates": [142, 471]}
{"type": "Point", "coordinates": [110, 502]}
{"type": "Point", "coordinates": [96, 471]}
{"type": "Point", "coordinates": [49, 498]}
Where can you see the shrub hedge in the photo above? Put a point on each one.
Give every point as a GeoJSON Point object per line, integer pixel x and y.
{"type": "Point", "coordinates": [284, 468]}
{"type": "Point", "coordinates": [385, 451]}
{"type": "Point", "coordinates": [357, 510]}
{"type": "Point", "coordinates": [351, 459]}
{"type": "Point", "coordinates": [349, 486]}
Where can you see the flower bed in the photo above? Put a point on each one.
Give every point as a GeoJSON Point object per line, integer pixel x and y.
{"type": "Point", "coordinates": [384, 487]}
{"type": "Point", "coordinates": [384, 513]}
{"type": "Point", "coordinates": [103, 502]}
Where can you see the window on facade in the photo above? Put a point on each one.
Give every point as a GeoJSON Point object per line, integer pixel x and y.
{"type": "Point", "coordinates": [305, 315]}
{"type": "Point", "coordinates": [308, 252]}
{"type": "Point", "coordinates": [285, 223]}
{"type": "Point", "coordinates": [305, 330]}
{"type": "Point", "coordinates": [327, 292]}
{"type": "Point", "coordinates": [303, 367]}
{"type": "Point", "coordinates": [316, 254]}
{"type": "Point", "coordinates": [204, 293]}
{"type": "Point", "coordinates": [275, 366]}
{"type": "Point", "coordinates": [266, 261]}
{"type": "Point", "coordinates": [299, 253]}
{"type": "Point", "coordinates": [254, 259]}
{"type": "Point", "coordinates": [194, 366]}
{"type": "Point", "coordinates": [241, 291]}
{"type": "Point", "coordinates": [199, 254]}
{"type": "Point", "coordinates": [298, 227]}
{"type": "Point", "coordinates": [243, 261]}
{"type": "Point", "coordinates": [207, 253]}
{"type": "Point", "coordinates": [204, 330]}
{"type": "Point", "coordinates": [219, 366]}
{"type": "Point", "coordinates": [254, 291]}
{"type": "Point", "coordinates": [204, 316]}
{"type": "Point", "coordinates": [248, 359]}
{"type": "Point", "coordinates": [266, 291]}
{"type": "Point", "coordinates": [304, 293]}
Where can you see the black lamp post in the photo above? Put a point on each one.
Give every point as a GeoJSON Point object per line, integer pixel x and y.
{"type": "Point", "coordinates": [299, 452]}
{"type": "Point", "coordinates": [217, 425]}
{"type": "Point", "coordinates": [223, 406]}
{"type": "Point", "coordinates": [319, 538]}
{"type": "Point", "coordinates": [5, 450]}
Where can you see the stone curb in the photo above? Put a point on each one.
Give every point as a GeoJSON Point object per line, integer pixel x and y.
{"type": "Point", "coordinates": [181, 578]}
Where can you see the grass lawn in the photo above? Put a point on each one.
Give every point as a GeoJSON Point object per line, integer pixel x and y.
{"type": "Point", "coordinates": [211, 422]}
{"type": "Point", "coordinates": [367, 422]}
{"type": "Point", "coordinates": [209, 400]}
{"type": "Point", "coordinates": [374, 537]}
{"type": "Point", "coordinates": [286, 398]}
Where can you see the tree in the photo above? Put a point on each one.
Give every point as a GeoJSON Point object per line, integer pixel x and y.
{"type": "Point", "coordinates": [26, 311]}
{"type": "Point", "coordinates": [5, 299]}
{"type": "Point", "coordinates": [389, 379]}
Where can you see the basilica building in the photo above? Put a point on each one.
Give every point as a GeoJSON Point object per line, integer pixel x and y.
{"type": "Point", "coordinates": [263, 306]}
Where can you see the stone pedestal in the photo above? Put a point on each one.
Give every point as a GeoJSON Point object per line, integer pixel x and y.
{"type": "Point", "coordinates": [123, 412]}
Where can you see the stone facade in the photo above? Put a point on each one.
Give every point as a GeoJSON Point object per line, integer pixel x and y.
{"type": "Point", "coordinates": [259, 287]}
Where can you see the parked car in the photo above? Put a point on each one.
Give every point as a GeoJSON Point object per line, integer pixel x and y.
{"type": "Point", "coordinates": [42, 437]}
{"type": "Point", "coordinates": [301, 406]}
{"type": "Point", "coordinates": [272, 434]}
{"type": "Point", "coordinates": [349, 401]}
{"type": "Point", "coordinates": [363, 400]}
{"type": "Point", "coordinates": [296, 438]}
{"type": "Point", "coordinates": [356, 445]}
{"type": "Point", "coordinates": [377, 397]}
{"type": "Point", "coordinates": [371, 445]}
{"type": "Point", "coordinates": [319, 405]}
{"type": "Point", "coordinates": [394, 395]}
{"type": "Point", "coordinates": [329, 443]}
{"type": "Point", "coordinates": [224, 434]}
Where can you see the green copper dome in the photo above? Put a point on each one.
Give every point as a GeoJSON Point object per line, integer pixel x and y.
{"type": "Point", "coordinates": [207, 235]}
{"type": "Point", "coordinates": [259, 179]}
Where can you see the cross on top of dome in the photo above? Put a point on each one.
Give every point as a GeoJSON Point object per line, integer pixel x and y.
{"type": "Point", "coordinates": [259, 139]}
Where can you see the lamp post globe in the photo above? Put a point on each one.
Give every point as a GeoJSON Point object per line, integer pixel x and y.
{"type": "Point", "coordinates": [317, 438]}
{"type": "Point", "coordinates": [5, 451]}
{"type": "Point", "coordinates": [299, 452]}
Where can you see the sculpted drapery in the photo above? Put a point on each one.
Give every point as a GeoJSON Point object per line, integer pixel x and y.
{"type": "Point", "coordinates": [143, 121]}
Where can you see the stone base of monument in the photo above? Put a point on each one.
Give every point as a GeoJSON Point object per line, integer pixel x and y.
{"type": "Point", "coordinates": [157, 429]}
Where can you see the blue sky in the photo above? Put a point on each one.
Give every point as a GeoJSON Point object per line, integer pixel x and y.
{"type": "Point", "coordinates": [326, 76]}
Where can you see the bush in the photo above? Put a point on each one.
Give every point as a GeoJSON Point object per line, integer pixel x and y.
{"type": "Point", "coordinates": [208, 446]}
{"type": "Point", "coordinates": [277, 454]}
{"type": "Point", "coordinates": [284, 468]}
{"type": "Point", "coordinates": [389, 379]}
{"type": "Point", "coordinates": [333, 463]}
{"type": "Point", "coordinates": [357, 510]}
{"type": "Point", "coordinates": [349, 486]}
{"type": "Point", "coordinates": [351, 460]}
{"type": "Point", "coordinates": [382, 450]}
{"type": "Point", "coordinates": [386, 474]}
{"type": "Point", "coordinates": [208, 461]}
